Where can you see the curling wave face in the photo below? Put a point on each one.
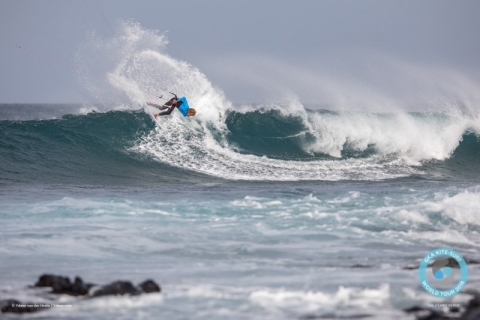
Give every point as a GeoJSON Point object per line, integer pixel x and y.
{"type": "Point", "coordinates": [266, 145]}
{"type": "Point", "coordinates": [268, 142]}
{"type": "Point", "coordinates": [125, 147]}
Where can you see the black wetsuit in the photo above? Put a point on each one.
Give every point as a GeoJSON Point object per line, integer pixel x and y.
{"type": "Point", "coordinates": [170, 106]}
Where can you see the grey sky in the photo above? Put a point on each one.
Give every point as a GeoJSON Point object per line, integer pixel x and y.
{"type": "Point", "coordinates": [254, 50]}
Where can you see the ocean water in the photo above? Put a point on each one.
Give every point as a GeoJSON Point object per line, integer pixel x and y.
{"type": "Point", "coordinates": [253, 211]}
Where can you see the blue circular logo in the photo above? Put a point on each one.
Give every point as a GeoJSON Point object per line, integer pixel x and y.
{"type": "Point", "coordinates": [440, 280]}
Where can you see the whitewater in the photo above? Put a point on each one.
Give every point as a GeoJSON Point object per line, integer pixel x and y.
{"type": "Point", "coordinates": [274, 210]}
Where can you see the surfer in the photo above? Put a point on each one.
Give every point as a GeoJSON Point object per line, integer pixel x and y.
{"type": "Point", "coordinates": [171, 105]}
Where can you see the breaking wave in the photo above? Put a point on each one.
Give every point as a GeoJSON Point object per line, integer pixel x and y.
{"type": "Point", "coordinates": [278, 141]}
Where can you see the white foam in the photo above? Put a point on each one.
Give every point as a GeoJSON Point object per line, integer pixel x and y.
{"type": "Point", "coordinates": [87, 109]}
{"type": "Point", "coordinates": [206, 290]}
{"type": "Point", "coordinates": [407, 217]}
{"type": "Point", "coordinates": [120, 302]}
{"type": "Point", "coordinates": [463, 207]}
{"type": "Point", "coordinates": [277, 300]}
{"type": "Point", "coordinates": [440, 236]}
{"type": "Point", "coordinates": [180, 147]}
{"type": "Point", "coordinates": [312, 301]}
{"type": "Point", "coordinates": [409, 137]}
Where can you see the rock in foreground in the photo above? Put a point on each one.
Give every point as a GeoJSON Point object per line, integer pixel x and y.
{"type": "Point", "coordinates": [63, 285]}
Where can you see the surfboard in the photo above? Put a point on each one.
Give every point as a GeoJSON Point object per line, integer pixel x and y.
{"type": "Point", "coordinates": [147, 110]}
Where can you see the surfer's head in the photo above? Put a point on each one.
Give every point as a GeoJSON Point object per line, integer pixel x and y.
{"type": "Point", "coordinates": [191, 112]}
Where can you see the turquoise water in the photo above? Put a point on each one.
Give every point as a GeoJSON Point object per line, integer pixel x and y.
{"type": "Point", "coordinates": [254, 218]}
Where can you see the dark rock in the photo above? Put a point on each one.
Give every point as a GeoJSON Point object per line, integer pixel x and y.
{"type": "Point", "coordinates": [149, 286]}
{"type": "Point", "coordinates": [79, 288]}
{"type": "Point", "coordinates": [423, 313]}
{"type": "Point", "coordinates": [410, 267]}
{"type": "Point", "coordinates": [472, 310]}
{"type": "Point", "coordinates": [454, 309]}
{"type": "Point", "coordinates": [117, 288]}
{"type": "Point", "coordinates": [474, 302]}
{"type": "Point", "coordinates": [49, 280]}
{"type": "Point", "coordinates": [63, 285]}
{"type": "Point", "coordinates": [355, 266]}
{"type": "Point", "coordinates": [15, 306]}
{"type": "Point", "coordinates": [334, 316]}
{"type": "Point", "coordinates": [471, 314]}
{"type": "Point", "coordinates": [414, 309]}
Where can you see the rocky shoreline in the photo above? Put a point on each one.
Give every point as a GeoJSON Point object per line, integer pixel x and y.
{"type": "Point", "coordinates": [77, 288]}
{"type": "Point", "coordinates": [61, 285]}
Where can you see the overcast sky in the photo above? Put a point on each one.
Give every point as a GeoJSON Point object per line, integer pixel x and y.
{"type": "Point", "coordinates": [254, 49]}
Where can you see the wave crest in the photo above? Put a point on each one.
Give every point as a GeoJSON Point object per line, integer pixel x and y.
{"type": "Point", "coordinates": [275, 142]}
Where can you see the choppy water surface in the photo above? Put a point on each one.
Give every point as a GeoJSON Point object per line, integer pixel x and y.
{"type": "Point", "coordinates": [271, 211]}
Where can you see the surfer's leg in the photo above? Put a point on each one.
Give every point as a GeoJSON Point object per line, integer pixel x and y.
{"type": "Point", "coordinates": [165, 106]}
{"type": "Point", "coordinates": [166, 113]}
{"type": "Point", "coordinates": [153, 105]}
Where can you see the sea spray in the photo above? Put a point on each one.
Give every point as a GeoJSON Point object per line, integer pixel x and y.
{"type": "Point", "coordinates": [320, 144]}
